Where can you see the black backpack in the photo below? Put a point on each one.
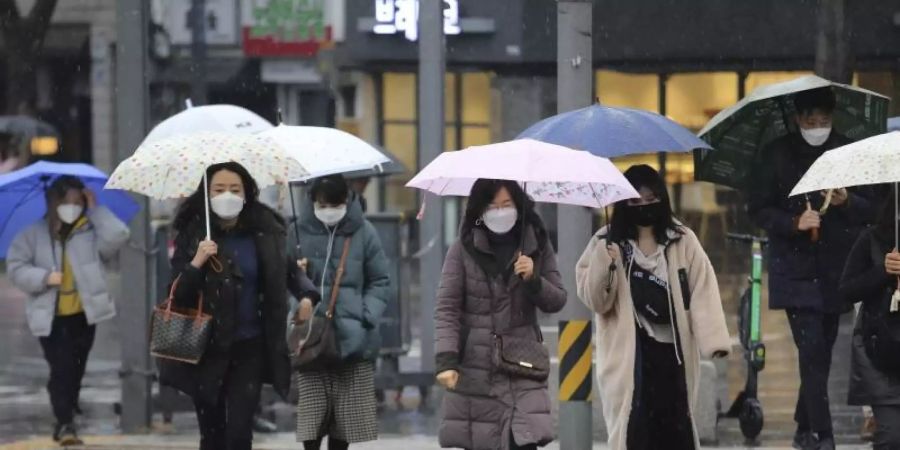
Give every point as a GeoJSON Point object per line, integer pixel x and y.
{"type": "Point", "coordinates": [881, 327]}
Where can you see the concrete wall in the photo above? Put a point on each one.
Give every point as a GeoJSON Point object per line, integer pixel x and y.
{"type": "Point", "coordinates": [100, 15]}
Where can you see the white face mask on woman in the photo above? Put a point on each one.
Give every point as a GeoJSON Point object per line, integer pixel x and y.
{"type": "Point", "coordinates": [500, 220]}
{"type": "Point", "coordinates": [68, 213]}
{"type": "Point", "coordinates": [330, 215]}
{"type": "Point", "coordinates": [227, 205]}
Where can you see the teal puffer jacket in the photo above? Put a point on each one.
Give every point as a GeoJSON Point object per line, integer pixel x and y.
{"type": "Point", "coordinates": [365, 288]}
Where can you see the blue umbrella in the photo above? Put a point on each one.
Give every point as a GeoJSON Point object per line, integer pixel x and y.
{"type": "Point", "coordinates": [22, 196]}
{"type": "Point", "coordinates": [611, 132]}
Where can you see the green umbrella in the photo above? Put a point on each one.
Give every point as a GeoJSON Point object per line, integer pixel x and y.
{"type": "Point", "coordinates": [742, 130]}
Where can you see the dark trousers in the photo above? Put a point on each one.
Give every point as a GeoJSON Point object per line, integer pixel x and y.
{"type": "Point", "coordinates": [660, 415]}
{"type": "Point", "coordinates": [228, 424]}
{"type": "Point", "coordinates": [887, 433]}
{"type": "Point", "coordinates": [814, 334]}
{"type": "Point", "coordinates": [66, 351]}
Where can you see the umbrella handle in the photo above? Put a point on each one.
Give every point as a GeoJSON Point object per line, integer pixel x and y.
{"type": "Point", "coordinates": [813, 232]}
{"type": "Point", "coordinates": [206, 204]}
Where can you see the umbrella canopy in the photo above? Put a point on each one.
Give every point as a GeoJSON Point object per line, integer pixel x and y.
{"type": "Point", "coordinates": [22, 196]}
{"type": "Point", "coordinates": [174, 167]}
{"type": "Point", "coordinates": [209, 118]}
{"type": "Point", "coordinates": [26, 126]}
{"type": "Point", "coordinates": [393, 167]}
{"type": "Point", "coordinates": [893, 124]}
{"type": "Point", "coordinates": [739, 132]}
{"type": "Point", "coordinates": [875, 160]}
{"type": "Point", "coordinates": [551, 173]}
{"type": "Point", "coordinates": [611, 132]}
{"type": "Point", "coordinates": [325, 151]}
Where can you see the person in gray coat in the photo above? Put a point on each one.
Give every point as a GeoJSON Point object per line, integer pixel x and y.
{"type": "Point", "coordinates": [58, 262]}
{"type": "Point", "coordinates": [339, 402]}
{"type": "Point", "coordinates": [870, 277]}
{"type": "Point", "coordinates": [496, 278]}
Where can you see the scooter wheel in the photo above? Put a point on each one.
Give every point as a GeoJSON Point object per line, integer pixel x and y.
{"type": "Point", "coordinates": [751, 418]}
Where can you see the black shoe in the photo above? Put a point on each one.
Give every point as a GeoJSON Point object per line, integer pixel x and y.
{"type": "Point", "coordinates": [805, 440]}
{"type": "Point", "coordinates": [826, 444]}
{"type": "Point", "coordinates": [261, 425]}
{"type": "Point", "coordinates": [68, 436]}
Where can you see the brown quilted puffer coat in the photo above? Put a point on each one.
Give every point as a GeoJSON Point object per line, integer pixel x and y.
{"type": "Point", "coordinates": [487, 407]}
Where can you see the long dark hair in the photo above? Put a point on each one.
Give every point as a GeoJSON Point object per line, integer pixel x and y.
{"type": "Point", "coordinates": [192, 209]}
{"type": "Point", "coordinates": [482, 194]}
{"type": "Point", "coordinates": [643, 176]}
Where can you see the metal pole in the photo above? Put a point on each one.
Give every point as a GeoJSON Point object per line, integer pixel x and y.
{"type": "Point", "coordinates": [137, 274]}
{"type": "Point", "coordinates": [574, 71]}
{"type": "Point", "coordinates": [198, 52]}
{"type": "Point", "coordinates": [431, 144]}
{"type": "Point", "coordinates": [661, 103]}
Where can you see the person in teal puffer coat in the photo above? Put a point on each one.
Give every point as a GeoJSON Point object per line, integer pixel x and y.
{"type": "Point", "coordinates": [339, 402]}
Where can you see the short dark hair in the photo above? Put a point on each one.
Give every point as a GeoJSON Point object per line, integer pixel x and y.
{"type": "Point", "coordinates": [332, 189]}
{"type": "Point", "coordinates": [822, 99]}
{"type": "Point", "coordinates": [61, 186]}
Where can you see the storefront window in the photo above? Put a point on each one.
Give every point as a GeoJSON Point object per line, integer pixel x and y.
{"type": "Point", "coordinates": [757, 79]}
{"type": "Point", "coordinates": [468, 126]}
{"type": "Point", "coordinates": [694, 98]}
{"type": "Point", "coordinates": [628, 90]}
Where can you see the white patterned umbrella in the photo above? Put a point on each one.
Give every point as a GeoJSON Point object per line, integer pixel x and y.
{"type": "Point", "coordinates": [173, 167]}
{"type": "Point", "coordinates": [875, 160]}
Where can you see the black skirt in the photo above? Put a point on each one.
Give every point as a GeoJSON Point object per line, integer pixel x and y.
{"type": "Point", "coordinates": [660, 415]}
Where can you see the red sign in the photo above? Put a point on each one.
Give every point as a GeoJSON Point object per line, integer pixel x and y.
{"type": "Point", "coordinates": [272, 46]}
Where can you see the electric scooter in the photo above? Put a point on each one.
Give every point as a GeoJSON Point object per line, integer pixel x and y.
{"type": "Point", "coordinates": [746, 407]}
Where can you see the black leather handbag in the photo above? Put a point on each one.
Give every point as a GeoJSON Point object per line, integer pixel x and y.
{"type": "Point", "coordinates": [313, 343]}
{"type": "Point", "coordinates": [521, 357]}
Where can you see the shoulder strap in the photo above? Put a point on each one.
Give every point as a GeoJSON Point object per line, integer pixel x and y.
{"type": "Point", "coordinates": [337, 278]}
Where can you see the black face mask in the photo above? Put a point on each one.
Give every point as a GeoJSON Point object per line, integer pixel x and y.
{"type": "Point", "coordinates": [646, 215]}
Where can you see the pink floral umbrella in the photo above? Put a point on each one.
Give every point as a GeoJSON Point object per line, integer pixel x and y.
{"type": "Point", "coordinates": [550, 173]}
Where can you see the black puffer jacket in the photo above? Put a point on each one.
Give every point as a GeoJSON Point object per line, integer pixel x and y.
{"type": "Point", "coordinates": [865, 280]}
{"type": "Point", "coordinates": [804, 274]}
{"type": "Point", "coordinates": [220, 293]}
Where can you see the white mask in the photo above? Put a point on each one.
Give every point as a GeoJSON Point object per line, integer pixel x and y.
{"type": "Point", "coordinates": [227, 205]}
{"type": "Point", "coordinates": [500, 220]}
{"type": "Point", "coordinates": [816, 136]}
{"type": "Point", "coordinates": [69, 213]}
{"type": "Point", "coordinates": [330, 216]}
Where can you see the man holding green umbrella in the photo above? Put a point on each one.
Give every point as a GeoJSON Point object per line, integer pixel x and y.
{"type": "Point", "coordinates": [810, 237]}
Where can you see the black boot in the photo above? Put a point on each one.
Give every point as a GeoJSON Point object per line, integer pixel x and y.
{"type": "Point", "coordinates": [804, 440]}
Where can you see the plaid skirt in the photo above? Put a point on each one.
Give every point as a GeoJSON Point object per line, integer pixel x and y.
{"type": "Point", "coordinates": [338, 403]}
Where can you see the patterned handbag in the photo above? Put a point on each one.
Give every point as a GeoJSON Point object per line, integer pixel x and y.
{"type": "Point", "coordinates": [313, 343]}
{"type": "Point", "coordinates": [526, 358]}
{"type": "Point", "coordinates": [179, 334]}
